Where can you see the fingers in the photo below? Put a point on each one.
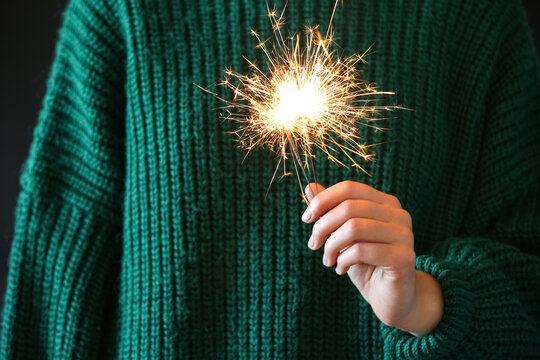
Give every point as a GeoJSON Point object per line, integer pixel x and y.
{"type": "Point", "coordinates": [312, 189]}
{"type": "Point", "coordinates": [396, 256]}
{"type": "Point", "coordinates": [349, 209]}
{"type": "Point", "coordinates": [329, 198]}
{"type": "Point", "coordinates": [365, 230]}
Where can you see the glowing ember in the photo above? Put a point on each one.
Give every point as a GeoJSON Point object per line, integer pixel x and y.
{"type": "Point", "coordinates": [310, 98]}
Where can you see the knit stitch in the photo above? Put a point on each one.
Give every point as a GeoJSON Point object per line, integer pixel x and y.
{"type": "Point", "coordinates": [141, 233]}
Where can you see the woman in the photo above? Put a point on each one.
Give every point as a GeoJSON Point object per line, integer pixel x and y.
{"type": "Point", "coordinates": [140, 233]}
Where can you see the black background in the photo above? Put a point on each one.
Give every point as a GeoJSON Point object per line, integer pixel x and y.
{"type": "Point", "coordinates": [29, 31]}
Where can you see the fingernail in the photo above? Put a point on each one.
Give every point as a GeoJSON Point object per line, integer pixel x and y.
{"type": "Point", "coordinates": [307, 215]}
{"type": "Point", "coordinates": [325, 260]}
{"type": "Point", "coordinates": [311, 242]}
{"type": "Point", "coordinates": [338, 270]}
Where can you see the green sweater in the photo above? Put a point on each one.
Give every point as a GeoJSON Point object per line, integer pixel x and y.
{"type": "Point", "coordinates": [141, 234]}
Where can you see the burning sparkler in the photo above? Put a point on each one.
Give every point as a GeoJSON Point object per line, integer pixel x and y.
{"type": "Point", "coordinates": [311, 98]}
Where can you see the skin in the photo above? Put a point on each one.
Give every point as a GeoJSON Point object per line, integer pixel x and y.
{"type": "Point", "coordinates": [368, 235]}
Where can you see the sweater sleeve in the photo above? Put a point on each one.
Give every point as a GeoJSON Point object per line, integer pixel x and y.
{"type": "Point", "coordinates": [68, 218]}
{"type": "Point", "coordinates": [490, 272]}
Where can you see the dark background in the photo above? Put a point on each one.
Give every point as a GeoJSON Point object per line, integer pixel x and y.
{"type": "Point", "coordinates": [29, 31]}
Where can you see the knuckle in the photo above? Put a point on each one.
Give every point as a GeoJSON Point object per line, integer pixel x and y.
{"type": "Point", "coordinates": [329, 250]}
{"type": "Point", "coordinates": [407, 219]}
{"type": "Point", "coordinates": [408, 257]}
{"type": "Point", "coordinates": [409, 237]}
{"type": "Point", "coordinates": [315, 204]}
{"type": "Point", "coordinates": [348, 206]}
{"type": "Point", "coordinates": [347, 184]}
{"type": "Point", "coordinates": [406, 236]}
{"type": "Point", "coordinates": [361, 225]}
{"type": "Point", "coordinates": [395, 216]}
{"type": "Point", "coordinates": [402, 215]}
{"type": "Point", "coordinates": [353, 225]}
{"type": "Point", "coordinates": [346, 261]}
{"type": "Point", "coordinates": [320, 227]}
{"type": "Point", "coordinates": [317, 226]}
{"type": "Point", "coordinates": [356, 250]}
{"type": "Point", "coordinates": [394, 200]}
{"type": "Point", "coordinates": [340, 261]}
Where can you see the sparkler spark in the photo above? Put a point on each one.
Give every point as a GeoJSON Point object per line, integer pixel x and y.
{"type": "Point", "coordinates": [310, 98]}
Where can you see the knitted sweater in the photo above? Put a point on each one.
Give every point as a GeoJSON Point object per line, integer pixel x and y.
{"type": "Point", "coordinates": [141, 234]}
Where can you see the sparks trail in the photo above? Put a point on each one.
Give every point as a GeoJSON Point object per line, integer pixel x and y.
{"type": "Point", "coordinates": [311, 98]}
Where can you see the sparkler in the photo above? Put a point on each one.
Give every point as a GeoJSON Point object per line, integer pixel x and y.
{"type": "Point", "coordinates": [310, 98]}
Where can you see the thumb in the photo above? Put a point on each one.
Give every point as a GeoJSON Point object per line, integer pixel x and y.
{"type": "Point", "coordinates": [313, 189]}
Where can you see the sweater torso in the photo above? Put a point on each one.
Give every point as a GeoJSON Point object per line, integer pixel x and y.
{"type": "Point", "coordinates": [212, 265]}
{"type": "Point", "coordinates": [142, 232]}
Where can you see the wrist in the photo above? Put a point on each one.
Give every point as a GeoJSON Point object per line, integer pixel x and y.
{"type": "Point", "coordinates": [427, 308]}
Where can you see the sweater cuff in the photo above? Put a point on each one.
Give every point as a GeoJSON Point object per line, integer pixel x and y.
{"type": "Point", "coordinates": [59, 274]}
{"type": "Point", "coordinates": [454, 324]}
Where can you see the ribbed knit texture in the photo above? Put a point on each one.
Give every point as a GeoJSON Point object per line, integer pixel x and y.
{"type": "Point", "coordinates": [141, 234]}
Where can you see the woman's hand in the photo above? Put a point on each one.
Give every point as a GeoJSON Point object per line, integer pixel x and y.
{"type": "Point", "coordinates": [368, 235]}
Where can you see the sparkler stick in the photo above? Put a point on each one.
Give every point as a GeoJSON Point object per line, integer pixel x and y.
{"type": "Point", "coordinates": [310, 98]}
{"type": "Point", "coordinates": [300, 165]}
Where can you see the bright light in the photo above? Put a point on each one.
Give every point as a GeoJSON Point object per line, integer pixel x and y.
{"type": "Point", "coordinates": [297, 105]}
{"type": "Point", "coordinates": [310, 98]}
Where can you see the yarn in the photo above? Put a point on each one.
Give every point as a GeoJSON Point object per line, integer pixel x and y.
{"type": "Point", "coordinates": [140, 233]}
